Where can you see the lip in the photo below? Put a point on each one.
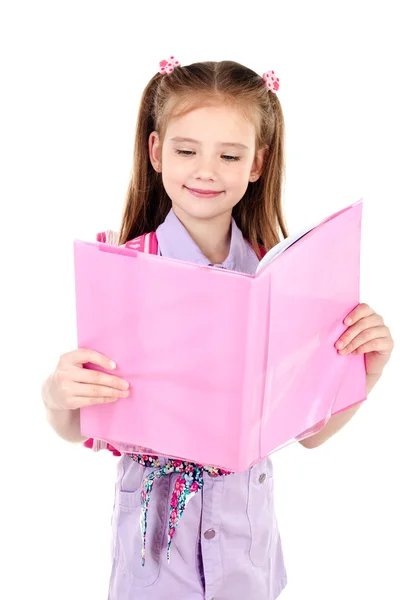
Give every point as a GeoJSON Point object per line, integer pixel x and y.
{"type": "Point", "coordinates": [203, 193]}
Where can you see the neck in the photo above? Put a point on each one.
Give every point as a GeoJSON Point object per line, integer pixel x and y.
{"type": "Point", "coordinates": [212, 236]}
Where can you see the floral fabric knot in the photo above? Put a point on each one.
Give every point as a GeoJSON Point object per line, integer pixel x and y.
{"type": "Point", "coordinates": [168, 66]}
{"type": "Point", "coordinates": [271, 81]}
{"type": "Point", "coordinates": [189, 482]}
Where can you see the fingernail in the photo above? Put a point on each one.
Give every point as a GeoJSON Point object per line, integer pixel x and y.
{"type": "Point", "coordinates": [112, 365]}
{"type": "Point", "coordinates": [348, 321]}
{"type": "Point", "coordinates": [340, 345]}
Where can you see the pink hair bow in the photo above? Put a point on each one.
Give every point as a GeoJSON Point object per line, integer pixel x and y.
{"type": "Point", "coordinates": [271, 81]}
{"type": "Point", "coordinates": [168, 66]}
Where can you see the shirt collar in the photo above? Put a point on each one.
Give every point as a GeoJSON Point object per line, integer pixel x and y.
{"type": "Point", "coordinates": [174, 241]}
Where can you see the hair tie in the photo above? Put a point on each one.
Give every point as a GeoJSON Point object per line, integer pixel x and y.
{"type": "Point", "coordinates": [271, 81]}
{"type": "Point", "coordinates": [168, 66]}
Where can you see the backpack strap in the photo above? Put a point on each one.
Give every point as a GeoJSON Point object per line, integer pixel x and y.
{"type": "Point", "coordinates": [147, 243]}
{"type": "Point", "coordinates": [108, 237]}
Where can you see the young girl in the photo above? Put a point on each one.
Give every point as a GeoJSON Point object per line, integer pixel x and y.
{"type": "Point", "coordinates": [207, 178]}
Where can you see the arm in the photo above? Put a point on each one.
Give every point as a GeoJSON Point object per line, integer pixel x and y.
{"type": "Point", "coordinates": [337, 422]}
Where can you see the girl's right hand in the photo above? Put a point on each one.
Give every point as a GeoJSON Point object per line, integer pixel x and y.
{"type": "Point", "coordinates": [71, 386]}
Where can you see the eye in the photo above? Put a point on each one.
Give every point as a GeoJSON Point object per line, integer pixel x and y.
{"type": "Point", "coordinates": [232, 158]}
{"type": "Point", "coordinates": [184, 152]}
{"type": "Point", "coordinates": [225, 156]}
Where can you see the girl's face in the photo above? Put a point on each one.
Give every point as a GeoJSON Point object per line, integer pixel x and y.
{"type": "Point", "coordinates": [209, 149]}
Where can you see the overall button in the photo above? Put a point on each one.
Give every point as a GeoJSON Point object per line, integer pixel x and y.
{"type": "Point", "coordinates": [262, 478]}
{"type": "Point", "coordinates": [209, 534]}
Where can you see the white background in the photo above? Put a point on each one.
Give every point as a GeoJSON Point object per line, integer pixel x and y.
{"type": "Point", "coordinates": [72, 76]}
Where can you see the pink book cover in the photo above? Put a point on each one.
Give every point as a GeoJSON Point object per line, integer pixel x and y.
{"type": "Point", "coordinates": [224, 368]}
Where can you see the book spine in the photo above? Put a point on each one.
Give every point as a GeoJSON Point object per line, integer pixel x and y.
{"type": "Point", "coordinates": [257, 344]}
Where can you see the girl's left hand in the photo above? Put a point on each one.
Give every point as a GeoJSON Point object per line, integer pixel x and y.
{"type": "Point", "coordinates": [367, 335]}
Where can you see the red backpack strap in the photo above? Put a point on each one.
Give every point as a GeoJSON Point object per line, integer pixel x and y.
{"type": "Point", "coordinates": [147, 243]}
{"type": "Point", "coordinates": [261, 253]}
{"type": "Point", "coordinates": [101, 237]}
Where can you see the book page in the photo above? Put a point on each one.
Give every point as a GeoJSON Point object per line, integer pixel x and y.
{"type": "Point", "coordinates": [282, 246]}
{"type": "Point", "coordinates": [291, 239]}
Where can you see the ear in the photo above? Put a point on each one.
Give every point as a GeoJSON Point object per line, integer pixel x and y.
{"type": "Point", "coordinates": [258, 163]}
{"type": "Point", "coordinates": [155, 151]}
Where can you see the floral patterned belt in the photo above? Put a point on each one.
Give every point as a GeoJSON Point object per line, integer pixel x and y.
{"type": "Point", "coordinates": [187, 485]}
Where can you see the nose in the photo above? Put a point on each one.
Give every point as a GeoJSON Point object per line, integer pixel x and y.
{"type": "Point", "coordinates": [206, 169]}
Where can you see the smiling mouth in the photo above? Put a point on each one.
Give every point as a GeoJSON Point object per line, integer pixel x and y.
{"type": "Point", "coordinates": [203, 193]}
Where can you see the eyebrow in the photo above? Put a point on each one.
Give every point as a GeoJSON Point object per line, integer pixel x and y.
{"type": "Point", "coordinates": [187, 139]}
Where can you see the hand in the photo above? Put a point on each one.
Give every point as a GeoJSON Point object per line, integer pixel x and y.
{"type": "Point", "coordinates": [367, 335]}
{"type": "Point", "coordinates": [71, 386]}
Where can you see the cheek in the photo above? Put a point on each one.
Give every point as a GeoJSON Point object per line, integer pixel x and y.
{"type": "Point", "coordinates": [175, 173]}
{"type": "Point", "coordinates": [237, 178]}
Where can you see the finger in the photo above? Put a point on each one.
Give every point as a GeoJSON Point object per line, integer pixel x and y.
{"type": "Point", "coordinates": [362, 310]}
{"type": "Point", "coordinates": [365, 336]}
{"type": "Point", "coordinates": [74, 402]}
{"type": "Point", "coordinates": [351, 333]}
{"type": "Point", "coordinates": [82, 356]}
{"type": "Point", "coordinates": [96, 391]}
{"type": "Point", "coordinates": [98, 378]}
{"type": "Point", "coordinates": [380, 345]}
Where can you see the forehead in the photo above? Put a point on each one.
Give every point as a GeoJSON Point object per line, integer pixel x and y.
{"type": "Point", "coordinates": [220, 124]}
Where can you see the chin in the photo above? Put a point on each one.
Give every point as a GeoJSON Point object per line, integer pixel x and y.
{"type": "Point", "coordinates": [204, 209]}
{"type": "Point", "coordinates": [199, 208]}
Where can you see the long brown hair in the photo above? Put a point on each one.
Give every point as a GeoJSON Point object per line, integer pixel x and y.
{"type": "Point", "coordinates": [259, 213]}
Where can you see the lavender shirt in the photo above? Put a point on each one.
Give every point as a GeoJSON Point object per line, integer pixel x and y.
{"type": "Point", "coordinates": [227, 545]}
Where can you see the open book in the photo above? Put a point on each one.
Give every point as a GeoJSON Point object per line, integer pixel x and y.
{"type": "Point", "coordinates": [224, 367]}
